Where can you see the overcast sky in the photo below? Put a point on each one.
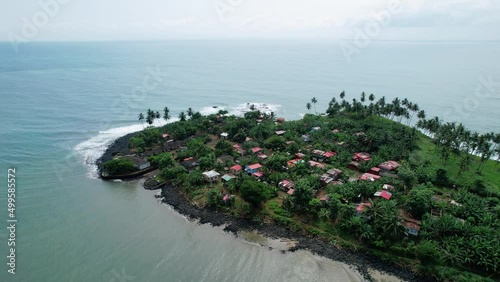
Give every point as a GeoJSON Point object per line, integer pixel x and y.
{"type": "Point", "coordinates": [166, 19]}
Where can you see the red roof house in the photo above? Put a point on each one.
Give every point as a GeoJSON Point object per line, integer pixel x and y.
{"type": "Point", "coordinates": [236, 169]}
{"type": "Point", "coordinates": [256, 150]}
{"type": "Point", "coordinates": [370, 177]}
{"type": "Point", "coordinates": [374, 170]}
{"type": "Point", "coordinates": [361, 157]}
{"type": "Point", "coordinates": [389, 165]}
{"type": "Point", "coordinates": [384, 194]}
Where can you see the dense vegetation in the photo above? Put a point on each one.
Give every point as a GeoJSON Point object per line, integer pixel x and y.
{"type": "Point", "coordinates": [118, 167]}
{"type": "Point", "coordinates": [441, 182]}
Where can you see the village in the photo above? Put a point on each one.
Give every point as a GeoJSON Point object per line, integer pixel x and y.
{"type": "Point", "coordinates": [351, 177]}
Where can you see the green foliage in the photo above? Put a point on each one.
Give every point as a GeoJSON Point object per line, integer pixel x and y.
{"type": "Point", "coordinates": [304, 192]}
{"type": "Point", "coordinates": [118, 166]}
{"type": "Point", "coordinates": [254, 192]}
{"type": "Point", "coordinates": [419, 201]}
{"type": "Point", "coordinates": [275, 142]}
{"type": "Point", "coordinates": [172, 173]}
{"type": "Point", "coordinates": [428, 253]}
{"type": "Point", "coordinates": [223, 148]}
{"type": "Point", "coordinates": [162, 161]}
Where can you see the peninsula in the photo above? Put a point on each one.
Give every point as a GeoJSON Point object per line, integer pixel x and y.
{"type": "Point", "coordinates": [415, 196]}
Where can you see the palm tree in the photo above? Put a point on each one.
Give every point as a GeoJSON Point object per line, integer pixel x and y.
{"type": "Point", "coordinates": [371, 97]}
{"type": "Point", "coordinates": [141, 118]}
{"type": "Point", "coordinates": [342, 95]}
{"type": "Point", "coordinates": [363, 97]}
{"type": "Point", "coordinates": [157, 116]}
{"type": "Point", "coordinates": [182, 116]}
{"type": "Point", "coordinates": [314, 101]}
{"type": "Point", "coordinates": [166, 114]}
{"type": "Point", "coordinates": [150, 117]}
{"type": "Point", "coordinates": [190, 112]}
{"type": "Point", "coordinates": [308, 106]}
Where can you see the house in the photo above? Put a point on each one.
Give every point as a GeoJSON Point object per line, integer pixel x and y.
{"type": "Point", "coordinates": [370, 177]}
{"type": "Point", "coordinates": [292, 163]}
{"type": "Point", "coordinates": [139, 163]}
{"type": "Point", "coordinates": [374, 170]}
{"type": "Point", "coordinates": [361, 157]}
{"type": "Point", "coordinates": [228, 177]}
{"type": "Point", "coordinates": [316, 128]}
{"type": "Point", "coordinates": [248, 139]}
{"type": "Point", "coordinates": [166, 137]}
{"type": "Point", "coordinates": [251, 169]}
{"type": "Point", "coordinates": [235, 169]}
{"type": "Point", "coordinates": [361, 133]}
{"type": "Point", "coordinates": [362, 207]}
{"type": "Point", "coordinates": [412, 225]}
{"type": "Point", "coordinates": [262, 156]}
{"type": "Point", "coordinates": [384, 194]}
{"type": "Point", "coordinates": [280, 120]}
{"type": "Point", "coordinates": [353, 165]}
{"type": "Point", "coordinates": [326, 179]}
{"type": "Point", "coordinates": [280, 132]}
{"type": "Point", "coordinates": [256, 150]}
{"type": "Point", "coordinates": [316, 164]}
{"type": "Point", "coordinates": [290, 192]}
{"type": "Point", "coordinates": [211, 176]}
{"type": "Point", "coordinates": [329, 154]}
{"type": "Point", "coordinates": [258, 175]}
{"type": "Point", "coordinates": [189, 163]}
{"type": "Point", "coordinates": [300, 155]}
{"type": "Point", "coordinates": [224, 135]}
{"type": "Point", "coordinates": [334, 173]}
{"type": "Point", "coordinates": [306, 138]}
{"type": "Point", "coordinates": [335, 131]}
{"type": "Point", "coordinates": [318, 155]}
{"type": "Point", "coordinates": [389, 165]}
{"type": "Point", "coordinates": [388, 187]}
{"type": "Point", "coordinates": [286, 185]}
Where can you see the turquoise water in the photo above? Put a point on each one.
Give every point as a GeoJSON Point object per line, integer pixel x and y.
{"type": "Point", "coordinates": [63, 103]}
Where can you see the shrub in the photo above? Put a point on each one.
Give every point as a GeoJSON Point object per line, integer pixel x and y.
{"type": "Point", "coordinates": [118, 167]}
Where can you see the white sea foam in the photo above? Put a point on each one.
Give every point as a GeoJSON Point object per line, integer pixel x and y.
{"type": "Point", "coordinates": [92, 149]}
{"type": "Point", "coordinates": [241, 109]}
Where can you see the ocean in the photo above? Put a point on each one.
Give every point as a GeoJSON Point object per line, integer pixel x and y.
{"type": "Point", "coordinates": [64, 103]}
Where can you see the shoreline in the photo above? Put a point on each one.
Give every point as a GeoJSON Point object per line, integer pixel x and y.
{"type": "Point", "coordinates": [355, 259]}
{"type": "Point", "coordinates": [358, 261]}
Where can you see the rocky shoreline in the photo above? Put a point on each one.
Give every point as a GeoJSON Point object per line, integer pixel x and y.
{"type": "Point", "coordinates": [362, 262]}
{"type": "Point", "coordinates": [120, 145]}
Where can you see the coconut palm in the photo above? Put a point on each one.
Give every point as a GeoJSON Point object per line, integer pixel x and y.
{"type": "Point", "coordinates": [182, 116]}
{"type": "Point", "coordinates": [371, 97]}
{"type": "Point", "coordinates": [314, 101]}
{"type": "Point", "coordinates": [308, 106]}
{"type": "Point", "coordinates": [141, 118]}
{"type": "Point", "coordinates": [150, 117]}
{"type": "Point", "coordinates": [166, 114]}
{"type": "Point", "coordinates": [190, 112]}
{"type": "Point", "coordinates": [342, 95]}
{"type": "Point", "coordinates": [363, 97]}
